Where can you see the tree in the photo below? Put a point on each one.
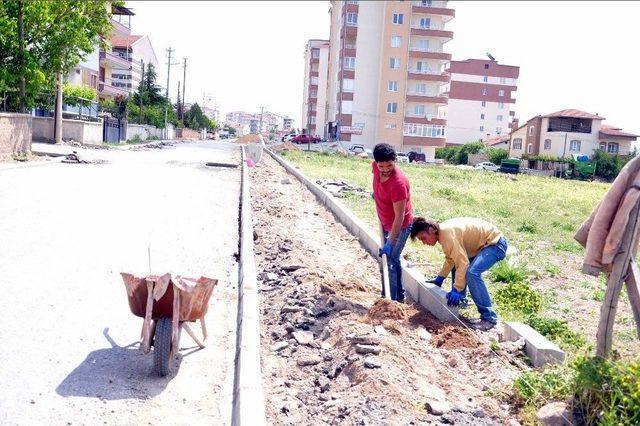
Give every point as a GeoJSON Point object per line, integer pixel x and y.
{"type": "Point", "coordinates": [41, 38]}
{"type": "Point", "coordinates": [195, 119]}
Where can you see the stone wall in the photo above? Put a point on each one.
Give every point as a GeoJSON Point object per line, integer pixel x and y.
{"type": "Point", "coordinates": [188, 134]}
{"type": "Point", "coordinates": [85, 132]}
{"type": "Point", "coordinates": [15, 134]}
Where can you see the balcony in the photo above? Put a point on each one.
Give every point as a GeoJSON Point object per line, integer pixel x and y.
{"type": "Point", "coordinates": [428, 53]}
{"type": "Point", "coordinates": [107, 89]}
{"type": "Point", "coordinates": [433, 98]}
{"type": "Point", "coordinates": [424, 119]}
{"type": "Point", "coordinates": [432, 32]}
{"type": "Point", "coordinates": [348, 31]}
{"type": "Point", "coordinates": [428, 75]}
{"type": "Point", "coordinates": [113, 60]}
{"type": "Point", "coordinates": [434, 8]}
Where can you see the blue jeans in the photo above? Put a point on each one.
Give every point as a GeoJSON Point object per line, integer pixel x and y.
{"type": "Point", "coordinates": [487, 257]}
{"type": "Point", "coordinates": [393, 262]}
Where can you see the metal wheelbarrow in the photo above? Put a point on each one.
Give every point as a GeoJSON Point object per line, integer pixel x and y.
{"type": "Point", "coordinates": [167, 305]}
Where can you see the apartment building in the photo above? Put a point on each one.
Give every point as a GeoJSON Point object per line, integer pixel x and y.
{"type": "Point", "coordinates": [567, 132]}
{"type": "Point", "coordinates": [387, 79]}
{"type": "Point", "coordinates": [481, 99]}
{"type": "Point", "coordinates": [316, 62]}
{"type": "Point", "coordinates": [287, 124]}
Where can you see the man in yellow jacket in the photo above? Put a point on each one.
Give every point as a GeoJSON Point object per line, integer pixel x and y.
{"type": "Point", "coordinates": [471, 246]}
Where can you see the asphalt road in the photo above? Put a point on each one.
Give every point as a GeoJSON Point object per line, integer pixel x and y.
{"type": "Point", "coordinates": [69, 353]}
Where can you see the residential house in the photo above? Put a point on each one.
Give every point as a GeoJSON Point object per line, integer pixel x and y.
{"type": "Point", "coordinates": [316, 62]}
{"type": "Point", "coordinates": [110, 60]}
{"type": "Point", "coordinates": [501, 142]}
{"type": "Point", "coordinates": [568, 132]}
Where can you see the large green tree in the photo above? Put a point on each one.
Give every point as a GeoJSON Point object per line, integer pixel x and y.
{"type": "Point", "coordinates": [40, 38]}
{"type": "Point", "coordinates": [195, 119]}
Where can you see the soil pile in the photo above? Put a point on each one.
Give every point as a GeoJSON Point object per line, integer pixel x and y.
{"type": "Point", "coordinates": [385, 309]}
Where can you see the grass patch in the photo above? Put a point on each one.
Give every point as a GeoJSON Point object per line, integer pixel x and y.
{"type": "Point", "coordinates": [570, 247]}
{"type": "Point", "coordinates": [598, 295]}
{"type": "Point", "coordinates": [528, 227]}
{"type": "Point", "coordinates": [552, 270]}
{"type": "Point", "coordinates": [557, 331]}
{"type": "Point", "coordinates": [518, 297]}
{"type": "Point", "coordinates": [534, 388]}
{"type": "Point", "coordinates": [502, 272]}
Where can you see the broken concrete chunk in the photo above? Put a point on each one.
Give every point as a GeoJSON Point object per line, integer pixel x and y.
{"type": "Point", "coordinates": [291, 268]}
{"type": "Point", "coordinates": [278, 346]}
{"type": "Point", "coordinates": [365, 339]}
{"type": "Point", "coordinates": [367, 349]}
{"type": "Point", "coordinates": [372, 362]}
{"type": "Point", "coordinates": [313, 360]}
{"type": "Point", "coordinates": [289, 308]}
{"type": "Point", "coordinates": [380, 330]}
{"type": "Point", "coordinates": [303, 337]}
{"type": "Point", "coordinates": [437, 408]}
{"type": "Point", "coordinates": [424, 334]}
{"type": "Point", "coordinates": [271, 276]}
{"type": "Point", "coordinates": [554, 414]}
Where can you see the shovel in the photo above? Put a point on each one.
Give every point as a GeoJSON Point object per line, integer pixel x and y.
{"type": "Point", "coordinates": [384, 268]}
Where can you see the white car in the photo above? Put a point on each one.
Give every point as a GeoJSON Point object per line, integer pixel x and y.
{"type": "Point", "coordinates": [487, 165]}
{"type": "Point", "coordinates": [287, 138]}
{"type": "Point", "coordinates": [402, 157]}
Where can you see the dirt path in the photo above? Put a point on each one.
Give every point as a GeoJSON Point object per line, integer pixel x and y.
{"type": "Point", "coordinates": [317, 288]}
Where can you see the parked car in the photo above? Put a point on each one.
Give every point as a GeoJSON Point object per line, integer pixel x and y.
{"type": "Point", "coordinates": [487, 165]}
{"type": "Point", "coordinates": [357, 149]}
{"type": "Point", "coordinates": [510, 165]}
{"type": "Point", "coordinates": [416, 157]}
{"type": "Point", "coordinates": [288, 137]}
{"type": "Point", "coordinates": [401, 157]}
{"type": "Point", "coordinates": [305, 139]}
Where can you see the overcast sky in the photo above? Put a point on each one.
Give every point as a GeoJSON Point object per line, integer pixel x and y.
{"type": "Point", "coordinates": [580, 55]}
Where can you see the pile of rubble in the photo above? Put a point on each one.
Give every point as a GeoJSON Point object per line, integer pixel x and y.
{"type": "Point", "coordinates": [340, 188]}
{"type": "Point", "coordinates": [332, 351]}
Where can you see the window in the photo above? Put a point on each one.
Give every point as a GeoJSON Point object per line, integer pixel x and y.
{"type": "Point", "coordinates": [486, 66]}
{"type": "Point", "coordinates": [313, 94]}
{"type": "Point", "coordinates": [421, 88]}
{"type": "Point", "coordinates": [349, 63]}
{"type": "Point", "coordinates": [424, 130]}
{"type": "Point", "coordinates": [347, 107]}
{"type": "Point", "coordinates": [315, 53]}
{"type": "Point", "coordinates": [314, 80]}
{"type": "Point", "coordinates": [529, 148]}
{"type": "Point", "coordinates": [390, 126]}
{"type": "Point", "coordinates": [392, 107]}
{"type": "Point", "coordinates": [393, 85]}
{"type": "Point", "coordinates": [501, 105]}
{"type": "Point", "coordinates": [398, 18]}
{"type": "Point", "coordinates": [500, 92]}
{"type": "Point", "coordinates": [423, 44]}
{"type": "Point", "coordinates": [312, 119]}
{"type": "Point", "coordinates": [352, 19]}
{"type": "Point", "coordinates": [347, 85]}
{"type": "Point", "coordinates": [517, 143]}
{"type": "Point", "coordinates": [482, 128]}
{"type": "Point", "coordinates": [394, 63]}
{"type": "Point", "coordinates": [499, 118]}
{"type": "Point", "coordinates": [603, 146]}
{"type": "Point", "coordinates": [481, 116]}
{"type": "Point", "coordinates": [421, 66]}
{"type": "Point", "coordinates": [498, 130]}
{"type": "Point", "coordinates": [612, 148]}
{"type": "Point", "coordinates": [418, 110]}
{"type": "Point", "coordinates": [547, 144]}
{"type": "Point", "coordinates": [574, 146]}
{"type": "Point", "coordinates": [531, 130]}
{"type": "Point", "coordinates": [485, 79]}
{"type": "Point", "coordinates": [484, 103]}
{"type": "Point", "coordinates": [425, 22]}
{"type": "Point", "coordinates": [396, 41]}
{"type": "Point", "coordinates": [426, 3]}
{"type": "Point", "coordinates": [484, 91]}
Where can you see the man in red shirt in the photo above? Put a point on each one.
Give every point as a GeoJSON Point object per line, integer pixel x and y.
{"type": "Point", "coordinates": [391, 192]}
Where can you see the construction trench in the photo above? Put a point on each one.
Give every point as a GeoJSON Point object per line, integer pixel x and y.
{"type": "Point", "coordinates": [333, 352]}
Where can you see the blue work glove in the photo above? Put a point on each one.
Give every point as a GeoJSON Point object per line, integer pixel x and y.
{"type": "Point", "coordinates": [386, 249]}
{"type": "Point", "coordinates": [454, 297]}
{"type": "Point", "coordinates": [437, 280]}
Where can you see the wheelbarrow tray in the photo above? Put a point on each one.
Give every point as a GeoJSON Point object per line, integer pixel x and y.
{"type": "Point", "coordinates": [194, 295]}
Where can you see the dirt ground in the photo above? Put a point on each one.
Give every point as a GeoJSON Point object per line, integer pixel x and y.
{"type": "Point", "coordinates": [329, 356]}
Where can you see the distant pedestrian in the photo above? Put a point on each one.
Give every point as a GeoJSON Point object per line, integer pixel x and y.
{"type": "Point", "coordinates": [392, 195]}
{"type": "Point", "coordinates": [471, 246]}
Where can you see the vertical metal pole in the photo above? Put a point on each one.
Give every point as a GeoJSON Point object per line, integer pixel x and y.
{"type": "Point", "coordinates": [141, 92]}
{"type": "Point", "coordinates": [166, 107]}
{"type": "Point", "coordinates": [57, 133]}
{"type": "Point", "coordinates": [184, 83]}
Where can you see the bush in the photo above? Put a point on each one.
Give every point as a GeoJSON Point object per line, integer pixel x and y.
{"type": "Point", "coordinates": [78, 95]}
{"type": "Point", "coordinates": [496, 155]}
{"type": "Point", "coordinates": [505, 273]}
{"type": "Point", "coordinates": [609, 165]}
{"type": "Point", "coordinates": [608, 392]}
{"type": "Point", "coordinates": [459, 154]}
{"type": "Point", "coordinates": [518, 297]}
{"type": "Point", "coordinates": [557, 331]}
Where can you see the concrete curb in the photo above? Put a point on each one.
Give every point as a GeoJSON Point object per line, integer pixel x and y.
{"type": "Point", "coordinates": [430, 296]}
{"type": "Point", "coordinates": [248, 398]}
{"type": "Point", "coordinates": [538, 348]}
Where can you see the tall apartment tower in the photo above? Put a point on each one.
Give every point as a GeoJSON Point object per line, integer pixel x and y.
{"type": "Point", "coordinates": [481, 100]}
{"type": "Point", "coordinates": [316, 62]}
{"type": "Point", "coordinates": [387, 78]}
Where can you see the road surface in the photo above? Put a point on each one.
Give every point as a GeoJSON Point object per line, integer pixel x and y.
{"type": "Point", "coordinates": [69, 342]}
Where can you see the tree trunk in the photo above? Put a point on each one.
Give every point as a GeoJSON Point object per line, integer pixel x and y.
{"type": "Point", "coordinates": [22, 83]}
{"type": "Point", "coordinates": [57, 126]}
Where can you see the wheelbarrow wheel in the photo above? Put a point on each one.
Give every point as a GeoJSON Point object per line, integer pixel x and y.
{"type": "Point", "coordinates": [162, 362]}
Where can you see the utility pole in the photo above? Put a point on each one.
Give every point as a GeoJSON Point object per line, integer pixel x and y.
{"type": "Point", "coordinates": [180, 105]}
{"type": "Point", "coordinates": [166, 107]}
{"type": "Point", "coordinates": [184, 83]}
{"type": "Point", "coordinates": [141, 92]}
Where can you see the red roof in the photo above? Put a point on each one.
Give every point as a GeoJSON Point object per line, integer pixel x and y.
{"type": "Point", "coordinates": [607, 130]}
{"type": "Point", "coordinates": [498, 140]}
{"type": "Point", "coordinates": [574, 113]}
{"type": "Point", "coordinates": [124, 41]}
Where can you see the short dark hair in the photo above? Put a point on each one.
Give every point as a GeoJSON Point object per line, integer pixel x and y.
{"type": "Point", "coordinates": [421, 224]}
{"type": "Point", "coordinates": [384, 152]}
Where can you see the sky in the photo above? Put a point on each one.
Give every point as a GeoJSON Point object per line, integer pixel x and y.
{"type": "Point", "coordinates": [580, 55]}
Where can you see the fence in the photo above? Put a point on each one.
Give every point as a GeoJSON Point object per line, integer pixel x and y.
{"type": "Point", "coordinates": [85, 132]}
{"type": "Point", "coordinates": [143, 132]}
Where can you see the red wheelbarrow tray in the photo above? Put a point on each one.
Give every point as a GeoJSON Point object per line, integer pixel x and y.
{"type": "Point", "coordinates": [194, 295]}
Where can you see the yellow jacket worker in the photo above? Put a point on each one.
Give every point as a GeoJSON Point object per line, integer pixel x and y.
{"type": "Point", "coordinates": [471, 246]}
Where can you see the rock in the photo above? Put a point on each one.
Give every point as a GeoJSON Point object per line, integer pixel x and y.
{"type": "Point", "coordinates": [278, 346]}
{"type": "Point", "coordinates": [289, 308]}
{"type": "Point", "coordinates": [453, 362]}
{"type": "Point", "coordinates": [380, 330]}
{"type": "Point", "coordinates": [437, 408]}
{"type": "Point", "coordinates": [326, 346]}
{"type": "Point", "coordinates": [313, 360]}
{"type": "Point", "coordinates": [291, 268]}
{"type": "Point", "coordinates": [326, 289]}
{"type": "Point", "coordinates": [424, 334]}
{"type": "Point", "coordinates": [554, 414]}
{"type": "Point", "coordinates": [367, 349]}
{"type": "Point", "coordinates": [371, 362]}
{"type": "Point", "coordinates": [513, 422]}
{"type": "Point", "coordinates": [479, 413]}
{"type": "Point", "coordinates": [271, 276]}
{"type": "Point", "coordinates": [345, 312]}
{"type": "Point", "coordinates": [365, 340]}
{"type": "Point", "coordinates": [303, 337]}
{"type": "Point", "coordinates": [285, 181]}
